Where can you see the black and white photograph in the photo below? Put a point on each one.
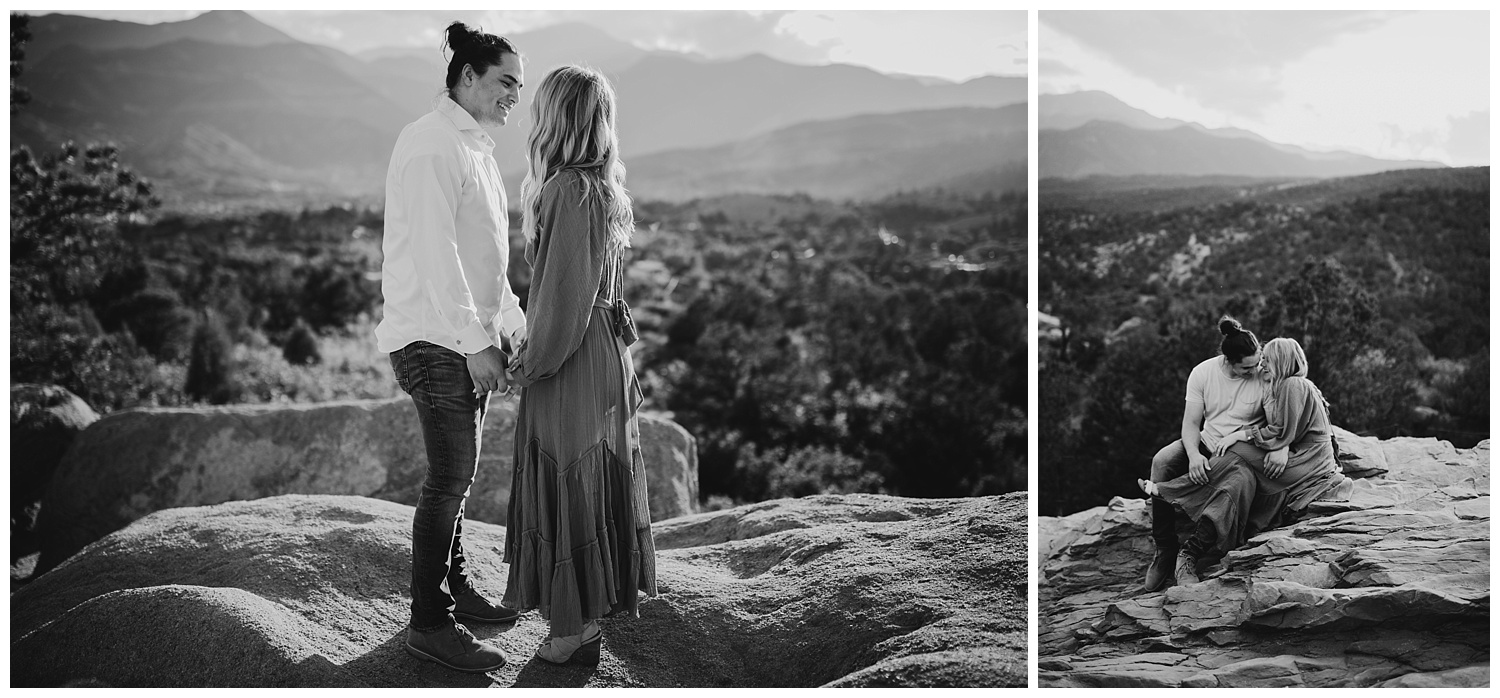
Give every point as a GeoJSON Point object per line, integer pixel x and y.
{"type": "Point", "coordinates": [566, 348]}
{"type": "Point", "coordinates": [1263, 349]}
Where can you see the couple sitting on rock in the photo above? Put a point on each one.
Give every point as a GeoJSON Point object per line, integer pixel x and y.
{"type": "Point", "coordinates": [1256, 450]}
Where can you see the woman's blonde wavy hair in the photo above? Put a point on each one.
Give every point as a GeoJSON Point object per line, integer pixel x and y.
{"type": "Point", "coordinates": [1283, 358]}
{"type": "Point", "coordinates": [573, 128]}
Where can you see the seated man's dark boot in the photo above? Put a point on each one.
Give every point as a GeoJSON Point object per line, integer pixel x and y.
{"type": "Point", "coordinates": [469, 605]}
{"type": "Point", "coordinates": [453, 646]}
{"type": "Point", "coordinates": [1186, 569]}
{"type": "Point", "coordinates": [1160, 570]}
{"type": "Point", "coordinates": [1164, 534]}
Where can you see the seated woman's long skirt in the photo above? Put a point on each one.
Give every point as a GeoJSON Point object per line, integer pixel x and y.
{"type": "Point", "coordinates": [1226, 499]}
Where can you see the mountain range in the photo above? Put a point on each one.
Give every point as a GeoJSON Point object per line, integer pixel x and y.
{"type": "Point", "coordinates": [1092, 133]}
{"type": "Point", "coordinates": [958, 149]}
{"type": "Point", "coordinates": [224, 107]}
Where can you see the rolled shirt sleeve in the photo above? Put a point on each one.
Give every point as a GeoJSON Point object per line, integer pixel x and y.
{"type": "Point", "coordinates": [432, 184]}
{"type": "Point", "coordinates": [569, 263]}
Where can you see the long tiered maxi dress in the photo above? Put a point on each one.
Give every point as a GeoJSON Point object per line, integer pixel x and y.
{"type": "Point", "coordinates": [578, 535]}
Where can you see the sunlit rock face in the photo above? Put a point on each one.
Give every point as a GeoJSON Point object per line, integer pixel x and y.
{"type": "Point", "coordinates": [135, 462]}
{"type": "Point", "coordinates": [311, 590]}
{"type": "Point", "coordinates": [1388, 588]}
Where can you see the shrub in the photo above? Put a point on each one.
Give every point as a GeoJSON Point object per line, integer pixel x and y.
{"type": "Point", "coordinates": [301, 347]}
{"type": "Point", "coordinates": [66, 347]}
{"type": "Point", "coordinates": [157, 319]}
{"type": "Point", "coordinates": [335, 292]}
{"type": "Point", "coordinates": [210, 375]}
{"type": "Point", "coordinates": [820, 470]}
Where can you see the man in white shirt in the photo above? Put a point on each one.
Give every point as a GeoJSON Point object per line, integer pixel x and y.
{"type": "Point", "coordinates": [449, 310]}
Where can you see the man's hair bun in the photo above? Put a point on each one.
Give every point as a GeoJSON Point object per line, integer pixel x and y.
{"type": "Point", "coordinates": [459, 36]}
{"type": "Point", "coordinates": [1238, 342]}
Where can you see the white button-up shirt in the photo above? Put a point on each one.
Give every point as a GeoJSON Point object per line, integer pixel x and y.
{"type": "Point", "coordinates": [446, 246]}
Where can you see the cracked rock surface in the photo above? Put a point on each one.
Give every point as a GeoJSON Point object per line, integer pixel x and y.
{"type": "Point", "coordinates": [311, 590]}
{"type": "Point", "coordinates": [1390, 588]}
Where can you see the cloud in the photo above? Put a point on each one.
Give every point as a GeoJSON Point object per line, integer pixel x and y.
{"type": "Point", "coordinates": [954, 45]}
{"type": "Point", "coordinates": [1469, 139]}
{"type": "Point", "coordinates": [1052, 68]}
{"type": "Point", "coordinates": [1225, 60]}
{"type": "Point", "coordinates": [714, 34]}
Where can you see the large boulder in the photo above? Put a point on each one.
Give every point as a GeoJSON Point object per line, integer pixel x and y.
{"type": "Point", "coordinates": [311, 590]}
{"type": "Point", "coordinates": [44, 421]}
{"type": "Point", "coordinates": [134, 462]}
{"type": "Point", "coordinates": [1388, 588]}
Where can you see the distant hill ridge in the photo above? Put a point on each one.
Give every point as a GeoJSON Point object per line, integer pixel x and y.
{"type": "Point", "coordinates": [1092, 133]}
{"type": "Point", "coordinates": [965, 149]}
{"type": "Point", "coordinates": [1141, 193]}
{"type": "Point", "coordinates": [50, 33]}
{"type": "Point", "coordinates": [222, 106]}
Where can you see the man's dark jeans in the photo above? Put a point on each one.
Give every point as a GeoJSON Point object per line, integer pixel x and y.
{"type": "Point", "coordinates": [452, 418]}
{"type": "Point", "coordinates": [1170, 462]}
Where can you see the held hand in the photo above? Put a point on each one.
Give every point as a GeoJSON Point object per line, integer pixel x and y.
{"type": "Point", "coordinates": [1228, 441]}
{"type": "Point", "coordinates": [487, 368]}
{"type": "Point", "coordinates": [1198, 468]}
{"type": "Point", "coordinates": [1276, 463]}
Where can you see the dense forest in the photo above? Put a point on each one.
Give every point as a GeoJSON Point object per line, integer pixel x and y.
{"type": "Point", "coordinates": [1385, 285]}
{"type": "Point", "coordinates": [809, 346]}
{"type": "Point", "coordinates": [870, 347]}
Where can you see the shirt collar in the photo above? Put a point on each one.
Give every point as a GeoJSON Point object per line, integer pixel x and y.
{"type": "Point", "coordinates": [462, 120]}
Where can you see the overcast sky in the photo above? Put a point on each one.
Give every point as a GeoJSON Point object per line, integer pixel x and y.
{"type": "Point", "coordinates": [956, 45]}
{"type": "Point", "coordinates": [1401, 85]}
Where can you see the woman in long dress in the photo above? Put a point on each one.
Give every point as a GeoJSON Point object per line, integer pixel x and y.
{"type": "Point", "coordinates": [1296, 416]}
{"type": "Point", "coordinates": [578, 538]}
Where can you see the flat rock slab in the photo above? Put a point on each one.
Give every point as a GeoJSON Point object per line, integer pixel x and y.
{"type": "Point", "coordinates": [1388, 588]}
{"type": "Point", "coordinates": [310, 590]}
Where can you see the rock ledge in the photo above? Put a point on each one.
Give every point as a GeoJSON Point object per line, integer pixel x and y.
{"type": "Point", "coordinates": [1388, 589]}
{"type": "Point", "coordinates": [310, 590]}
